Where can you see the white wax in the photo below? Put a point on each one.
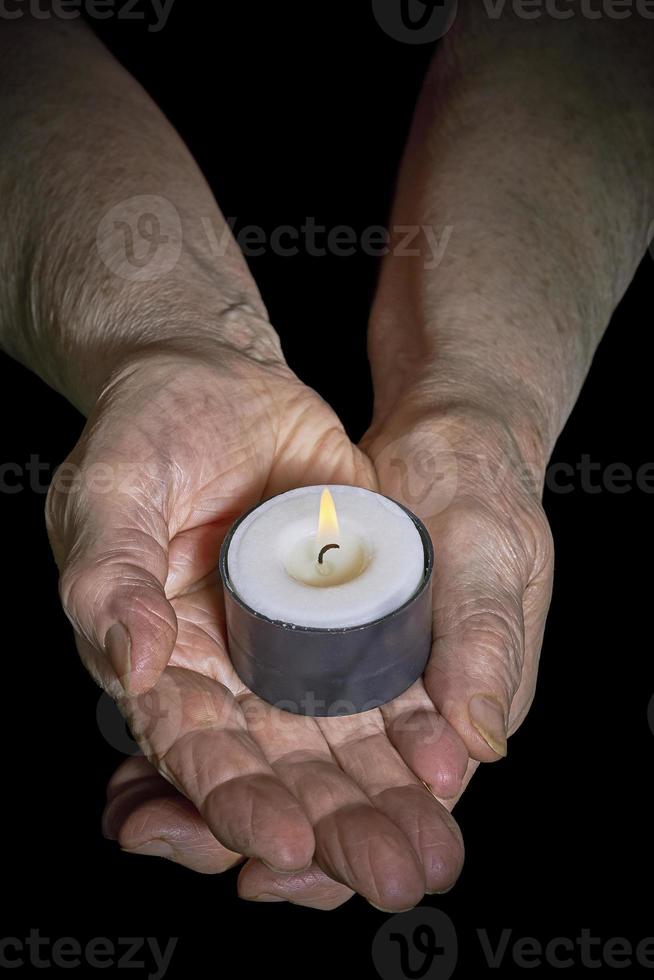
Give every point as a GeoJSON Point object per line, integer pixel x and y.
{"type": "Point", "coordinates": [265, 546]}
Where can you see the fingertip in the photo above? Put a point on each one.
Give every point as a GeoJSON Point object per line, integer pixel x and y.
{"type": "Point", "coordinates": [444, 784]}
{"type": "Point", "coordinates": [444, 861]}
{"type": "Point", "coordinates": [277, 830]}
{"type": "Point", "coordinates": [311, 888]}
{"type": "Point", "coordinates": [433, 832]}
{"type": "Point", "coordinates": [443, 774]}
{"type": "Point", "coordinates": [292, 855]}
{"type": "Point", "coordinates": [432, 749]}
{"type": "Point", "coordinates": [398, 890]}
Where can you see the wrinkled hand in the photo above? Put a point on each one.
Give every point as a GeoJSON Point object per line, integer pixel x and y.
{"type": "Point", "coordinates": [465, 476]}
{"type": "Point", "coordinates": [177, 448]}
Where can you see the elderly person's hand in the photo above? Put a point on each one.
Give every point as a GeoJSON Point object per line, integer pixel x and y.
{"type": "Point", "coordinates": [175, 449]}
{"type": "Point", "coordinates": [465, 477]}
{"type": "Point", "coordinates": [520, 146]}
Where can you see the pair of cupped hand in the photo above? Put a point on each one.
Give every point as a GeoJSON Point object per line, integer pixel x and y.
{"type": "Point", "coordinates": [177, 447]}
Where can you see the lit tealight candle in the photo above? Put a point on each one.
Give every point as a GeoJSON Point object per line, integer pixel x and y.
{"type": "Point", "coordinates": [327, 598]}
{"type": "Point", "coordinates": [324, 557]}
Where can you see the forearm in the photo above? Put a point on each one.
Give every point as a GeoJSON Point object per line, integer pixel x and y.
{"type": "Point", "coordinates": [79, 290]}
{"type": "Point", "coordinates": [533, 150]}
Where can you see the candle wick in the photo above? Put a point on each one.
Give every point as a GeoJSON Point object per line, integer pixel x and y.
{"type": "Point", "coordinates": [323, 550]}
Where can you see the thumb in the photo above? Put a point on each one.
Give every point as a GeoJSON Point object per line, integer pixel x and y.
{"type": "Point", "coordinates": [478, 658]}
{"type": "Point", "coordinates": [112, 551]}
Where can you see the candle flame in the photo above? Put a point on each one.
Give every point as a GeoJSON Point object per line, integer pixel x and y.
{"type": "Point", "coordinates": [328, 529]}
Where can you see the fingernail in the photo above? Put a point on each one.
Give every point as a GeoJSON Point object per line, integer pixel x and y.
{"type": "Point", "coordinates": [108, 826]}
{"type": "Point", "coordinates": [153, 848]}
{"type": "Point", "coordinates": [265, 897]}
{"type": "Point", "coordinates": [118, 647]}
{"type": "Point", "coordinates": [431, 790]}
{"type": "Point", "coordinates": [487, 716]}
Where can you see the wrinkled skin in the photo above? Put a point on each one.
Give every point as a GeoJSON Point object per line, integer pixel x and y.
{"type": "Point", "coordinates": [316, 808]}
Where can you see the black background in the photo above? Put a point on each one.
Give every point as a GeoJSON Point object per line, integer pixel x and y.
{"type": "Point", "coordinates": [301, 110]}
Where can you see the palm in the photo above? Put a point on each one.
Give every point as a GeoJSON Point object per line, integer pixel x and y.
{"type": "Point", "coordinates": [270, 785]}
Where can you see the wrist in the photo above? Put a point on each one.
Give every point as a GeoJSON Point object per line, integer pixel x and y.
{"type": "Point", "coordinates": [235, 338]}
{"type": "Point", "coordinates": [492, 439]}
{"type": "Point", "coordinates": [496, 385]}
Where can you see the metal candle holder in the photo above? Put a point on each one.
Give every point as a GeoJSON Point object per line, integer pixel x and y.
{"type": "Point", "coordinates": [332, 671]}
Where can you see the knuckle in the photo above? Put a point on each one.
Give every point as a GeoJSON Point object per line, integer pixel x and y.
{"type": "Point", "coordinates": [316, 776]}
{"type": "Point", "coordinates": [119, 585]}
{"type": "Point", "coordinates": [76, 593]}
{"type": "Point", "coordinates": [56, 510]}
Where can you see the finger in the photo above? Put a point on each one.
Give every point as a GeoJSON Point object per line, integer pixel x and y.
{"type": "Point", "coordinates": [193, 730]}
{"type": "Point", "coordinates": [361, 748]}
{"type": "Point", "coordinates": [426, 741]}
{"type": "Point", "coordinates": [356, 844]}
{"type": "Point", "coordinates": [146, 815]}
{"type": "Point", "coordinates": [477, 660]}
{"type": "Point", "coordinates": [311, 888]}
{"type": "Point", "coordinates": [111, 548]}
{"type": "Point", "coordinates": [140, 816]}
